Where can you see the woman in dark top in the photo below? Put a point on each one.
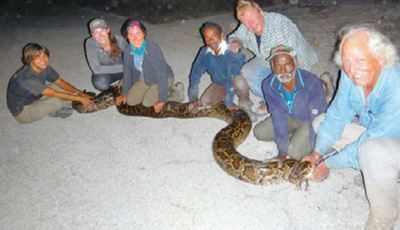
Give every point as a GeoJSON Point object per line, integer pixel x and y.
{"type": "Point", "coordinates": [104, 54]}
{"type": "Point", "coordinates": [146, 72]}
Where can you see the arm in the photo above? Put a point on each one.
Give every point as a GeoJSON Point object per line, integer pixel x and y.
{"type": "Point", "coordinates": [235, 62]}
{"type": "Point", "coordinates": [198, 69]}
{"type": "Point", "coordinates": [229, 94]}
{"type": "Point", "coordinates": [165, 70]}
{"type": "Point", "coordinates": [127, 80]}
{"type": "Point", "coordinates": [280, 124]}
{"type": "Point", "coordinates": [338, 115]}
{"type": "Point", "coordinates": [70, 88]}
{"type": "Point", "coordinates": [317, 103]}
{"type": "Point", "coordinates": [239, 34]}
{"type": "Point", "coordinates": [65, 95]}
{"type": "Point", "coordinates": [279, 117]}
{"type": "Point", "coordinates": [383, 121]}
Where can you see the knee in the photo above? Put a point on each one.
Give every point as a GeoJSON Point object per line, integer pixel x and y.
{"type": "Point", "coordinates": [370, 152]}
{"type": "Point", "coordinates": [375, 162]}
{"type": "Point", "coordinates": [246, 70]}
{"type": "Point", "coordinates": [240, 83]}
{"type": "Point", "coordinates": [263, 131]}
{"type": "Point", "coordinates": [100, 82]}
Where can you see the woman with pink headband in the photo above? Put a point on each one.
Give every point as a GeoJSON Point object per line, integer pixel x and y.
{"type": "Point", "coordinates": [146, 72]}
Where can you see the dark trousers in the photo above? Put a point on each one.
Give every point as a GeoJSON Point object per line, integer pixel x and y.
{"type": "Point", "coordinates": [103, 81]}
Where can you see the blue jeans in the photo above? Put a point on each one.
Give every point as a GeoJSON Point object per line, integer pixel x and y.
{"type": "Point", "coordinates": [103, 81]}
{"type": "Point", "coordinates": [255, 71]}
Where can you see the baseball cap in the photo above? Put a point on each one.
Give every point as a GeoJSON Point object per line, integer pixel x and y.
{"type": "Point", "coordinates": [97, 23]}
{"type": "Point", "coordinates": [281, 49]}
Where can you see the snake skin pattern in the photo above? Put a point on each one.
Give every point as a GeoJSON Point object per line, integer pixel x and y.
{"type": "Point", "coordinates": [225, 142]}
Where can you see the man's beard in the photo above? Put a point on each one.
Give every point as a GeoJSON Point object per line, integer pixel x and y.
{"type": "Point", "coordinates": [285, 78]}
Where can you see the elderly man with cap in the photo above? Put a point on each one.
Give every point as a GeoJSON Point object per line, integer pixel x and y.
{"type": "Point", "coordinates": [294, 98]}
{"type": "Point", "coordinates": [104, 54]}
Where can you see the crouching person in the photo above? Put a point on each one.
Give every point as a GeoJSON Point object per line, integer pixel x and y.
{"type": "Point", "coordinates": [37, 90]}
{"type": "Point", "coordinates": [294, 98]}
{"type": "Point", "coordinates": [368, 96]}
{"type": "Point", "coordinates": [147, 75]}
{"type": "Point", "coordinates": [222, 65]}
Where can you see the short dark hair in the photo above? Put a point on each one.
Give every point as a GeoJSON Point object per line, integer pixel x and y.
{"type": "Point", "coordinates": [210, 25]}
{"type": "Point", "coordinates": [32, 50]}
{"type": "Point", "coordinates": [128, 23]}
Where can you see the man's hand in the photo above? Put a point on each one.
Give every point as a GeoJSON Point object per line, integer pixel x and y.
{"type": "Point", "coordinates": [83, 94]}
{"type": "Point", "coordinates": [158, 106]}
{"type": "Point", "coordinates": [321, 171]}
{"type": "Point", "coordinates": [121, 100]}
{"type": "Point", "coordinates": [282, 156]}
{"type": "Point", "coordinates": [235, 46]}
{"type": "Point", "coordinates": [195, 105]}
{"type": "Point", "coordinates": [233, 108]}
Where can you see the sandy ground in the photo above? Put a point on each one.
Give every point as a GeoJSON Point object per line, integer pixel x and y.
{"type": "Point", "coordinates": [109, 171]}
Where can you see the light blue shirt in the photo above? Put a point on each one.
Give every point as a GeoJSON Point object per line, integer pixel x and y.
{"type": "Point", "coordinates": [379, 113]}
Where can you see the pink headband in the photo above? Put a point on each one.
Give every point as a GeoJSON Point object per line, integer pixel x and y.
{"type": "Point", "coordinates": [134, 23]}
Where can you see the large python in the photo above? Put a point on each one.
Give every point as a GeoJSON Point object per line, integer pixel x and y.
{"type": "Point", "coordinates": [225, 142]}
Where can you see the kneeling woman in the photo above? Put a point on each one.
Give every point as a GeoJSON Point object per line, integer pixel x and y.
{"type": "Point", "coordinates": [146, 72]}
{"type": "Point", "coordinates": [104, 54]}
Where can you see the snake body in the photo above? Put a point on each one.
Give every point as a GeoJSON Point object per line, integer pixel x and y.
{"type": "Point", "coordinates": [225, 142]}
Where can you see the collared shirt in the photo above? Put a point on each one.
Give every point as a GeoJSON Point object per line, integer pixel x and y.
{"type": "Point", "coordinates": [379, 113]}
{"type": "Point", "coordinates": [223, 47]}
{"type": "Point", "coordinates": [278, 30]}
{"type": "Point", "coordinates": [288, 96]}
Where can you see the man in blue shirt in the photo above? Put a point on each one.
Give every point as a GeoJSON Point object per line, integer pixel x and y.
{"type": "Point", "coordinates": [294, 98]}
{"type": "Point", "coordinates": [222, 65]}
{"type": "Point", "coordinates": [368, 95]}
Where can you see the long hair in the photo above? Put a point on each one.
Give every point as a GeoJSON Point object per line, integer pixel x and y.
{"type": "Point", "coordinates": [31, 51]}
{"type": "Point", "coordinates": [115, 49]}
{"type": "Point", "coordinates": [378, 43]}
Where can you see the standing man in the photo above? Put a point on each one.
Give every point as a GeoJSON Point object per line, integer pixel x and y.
{"type": "Point", "coordinates": [368, 95]}
{"type": "Point", "coordinates": [259, 32]}
{"type": "Point", "coordinates": [222, 65]}
{"type": "Point", "coordinates": [294, 97]}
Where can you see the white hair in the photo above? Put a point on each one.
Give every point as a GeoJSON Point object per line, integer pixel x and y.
{"type": "Point", "coordinates": [378, 43]}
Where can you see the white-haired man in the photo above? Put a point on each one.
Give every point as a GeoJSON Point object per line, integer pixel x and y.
{"type": "Point", "coordinates": [369, 95]}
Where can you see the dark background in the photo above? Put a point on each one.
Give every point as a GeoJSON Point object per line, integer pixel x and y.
{"type": "Point", "coordinates": [153, 11]}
